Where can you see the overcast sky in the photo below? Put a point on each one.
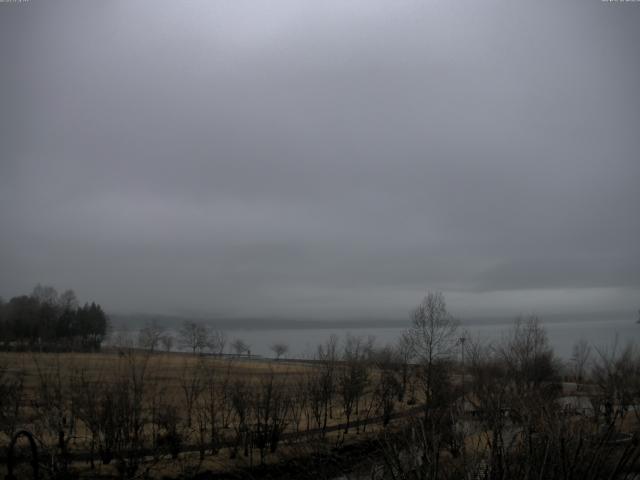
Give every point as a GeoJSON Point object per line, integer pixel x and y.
{"type": "Point", "coordinates": [322, 159]}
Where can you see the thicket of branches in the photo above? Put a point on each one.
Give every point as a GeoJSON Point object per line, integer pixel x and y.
{"type": "Point", "coordinates": [510, 419]}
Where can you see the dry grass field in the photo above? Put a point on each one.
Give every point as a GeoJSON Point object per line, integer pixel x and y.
{"type": "Point", "coordinates": [165, 369]}
{"type": "Point", "coordinates": [134, 414]}
{"type": "Point", "coordinates": [180, 413]}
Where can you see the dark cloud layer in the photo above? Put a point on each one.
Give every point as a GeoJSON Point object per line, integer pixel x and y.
{"type": "Point", "coordinates": [322, 159]}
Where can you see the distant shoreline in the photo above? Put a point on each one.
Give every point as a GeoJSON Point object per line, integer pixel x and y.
{"type": "Point", "coordinates": [133, 321]}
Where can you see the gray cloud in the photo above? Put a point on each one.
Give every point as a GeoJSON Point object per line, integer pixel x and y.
{"type": "Point", "coordinates": [322, 158]}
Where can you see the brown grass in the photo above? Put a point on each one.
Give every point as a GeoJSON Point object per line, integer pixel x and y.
{"type": "Point", "coordinates": [164, 369]}
{"type": "Point", "coordinates": [165, 375]}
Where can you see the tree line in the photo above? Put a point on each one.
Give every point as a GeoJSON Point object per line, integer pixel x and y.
{"type": "Point", "coordinates": [192, 336]}
{"type": "Point", "coordinates": [48, 321]}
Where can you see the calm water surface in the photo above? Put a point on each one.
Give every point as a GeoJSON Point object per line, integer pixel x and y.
{"type": "Point", "coordinates": [562, 335]}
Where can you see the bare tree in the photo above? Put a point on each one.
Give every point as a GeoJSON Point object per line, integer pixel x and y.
{"type": "Point", "coordinates": [167, 341]}
{"type": "Point", "coordinates": [150, 336]}
{"type": "Point", "coordinates": [299, 403]}
{"type": "Point", "coordinates": [615, 371]}
{"type": "Point", "coordinates": [55, 418]}
{"type": "Point", "coordinates": [404, 353]}
{"type": "Point", "coordinates": [239, 346]}
{"type": "Point", "coordinates": [279, 349]}
{"type": "Point", "coordinates": [169, 435]}
{"type": "Point", "coordinates": [240, 397]}
{"type": "Point", "coordinates": [122, 340]}
{"type": "Point", "coordinates": [321, 384]}
{"type": "Point", "coordinates": [86, 394]}
{"type": "Point", "coordinates": [387, 385]}
{"type": "Point", "coordinates": [270, 406]}
{"type": "Point", "coordinates": [353, 377]}
{"type": "Point", "coordinates": [131, 395]}
{"type": "Point", "coordinates": [212, 407]}
{"type": "Point", "coordinates": [432, 337]}
{"type": "Point", "coordinates": [491, 396]}
{"type": "Point", "coordinates": [193, 336]}
{"type": "Point", "coordinates": [12, 395]}
{"type": "Point", "coordinates": [579, 359]}
{"type": "Point", "coordinates": [45, 294]}
{"type": "Point", "coordinates": [527, 352]}
{"type": "Point", "coordinates": [67, 300]}
{"type": "Point", "coordinates": [533, 374]}
{"type": "Point", "coordinates": [192, 385]}
{"type": "Point", "coordinates": [217, 342]}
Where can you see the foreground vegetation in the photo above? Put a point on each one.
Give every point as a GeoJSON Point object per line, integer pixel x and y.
{"type": "Point", "coordinates": [435, 405]}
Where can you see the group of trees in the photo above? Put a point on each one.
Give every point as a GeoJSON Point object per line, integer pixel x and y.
{"type": "Point", "coordinates": [46, 320]}
{"type": "Point", "coordinates": [193, 337]}
{"type": "Point", "coordinates": [499, 415]}
{"type": "Point", "coordinates": [196, 338]}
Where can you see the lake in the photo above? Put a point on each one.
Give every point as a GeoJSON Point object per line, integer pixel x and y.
{"type": "Point", "coordinates": [562, 335]}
